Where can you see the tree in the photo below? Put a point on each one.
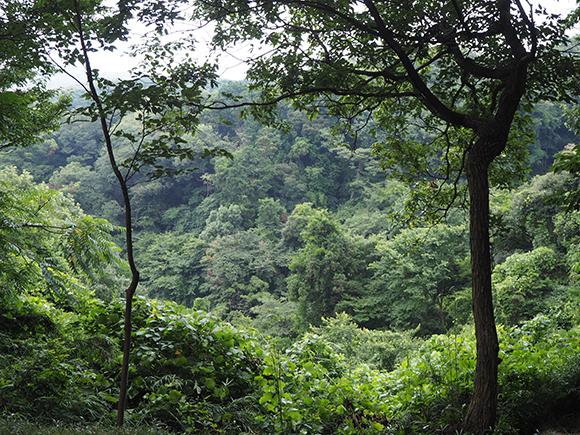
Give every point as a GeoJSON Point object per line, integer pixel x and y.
{"type": "Point", "coordinates": [27, 108]}
{"type": "Point", "coordinates": [418, 269]}
{"type": "Point", "coordinates": [163, 95]}
{"type": "Point", "coordinates": [522, 282]}
{"type": "Point", "coordinates": [171, 267]}
{"type": "Point", "coordinates": [328, 271]}
{"type": "Point", "coordinates": [239, 265]}
{"type": "Point", "coordinates": [448, 82]}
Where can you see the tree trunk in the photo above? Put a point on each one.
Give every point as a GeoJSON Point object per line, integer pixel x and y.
{"type": "Point", "coordinates": [130, 292]}
{"type": "Point", "coordinates": [124, 384]}
{"type": "Point", "coordinates": [482, 411]}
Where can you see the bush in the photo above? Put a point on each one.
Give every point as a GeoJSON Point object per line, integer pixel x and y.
{"type": "Point", "coordinates": [188, 369]}
{"type": "Point", "coordinates": [380, 350]}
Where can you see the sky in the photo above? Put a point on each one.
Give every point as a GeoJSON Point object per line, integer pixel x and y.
{"type": "Point", "coordinates": [118, 64]}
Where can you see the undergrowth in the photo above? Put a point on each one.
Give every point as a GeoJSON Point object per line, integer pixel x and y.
{"type": "Point", "coordinates": [15, 426]}
{"type": "Point", "coordinates": [192, 373]}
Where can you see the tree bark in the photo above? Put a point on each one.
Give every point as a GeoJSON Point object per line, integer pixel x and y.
{"type": "Point", "coordinates": [482, 411]}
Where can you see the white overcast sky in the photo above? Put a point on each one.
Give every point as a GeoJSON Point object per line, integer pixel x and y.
{"type": "Point", "coordinates": [117, 64]}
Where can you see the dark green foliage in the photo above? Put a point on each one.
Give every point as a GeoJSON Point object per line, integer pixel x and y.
{"type": "Point", "coordinates": [238, 266]}
{"type": "Point", "coordinates": [171, 267]}
{"type": "Point", "coordinates": [27, 109]}
{"type": "Point", "coordinates": [552, 135]}
{"type": "Point", "coordinates": [51, 372]}
{"type": "Point", "coordinates": [16, 426]}
{"type": "Point", "coordinates": [329, 269]}
{"type": "Point", "coordinates": [418, 270]}
{"type": "Point", "coordinates": [271, 218]}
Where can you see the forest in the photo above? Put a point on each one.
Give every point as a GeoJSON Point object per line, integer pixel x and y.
{"type": "Point", "coordinates": [290, 253]}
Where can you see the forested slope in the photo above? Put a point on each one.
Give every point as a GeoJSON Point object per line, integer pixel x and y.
{"type": "Point", "coordinates": [300, 239]}
{"type": "Point", "coordinates": [306, 224]}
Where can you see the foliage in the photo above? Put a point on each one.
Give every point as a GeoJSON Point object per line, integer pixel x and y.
{"type": "Point", "coordinates": [187, 368]}
{"type": "Point", "coordinates": [17, 426]}
{"type": "Point", "coordinates": [551, 135]}
{"type": "Point", "coordinates": [539, 377]}
{"type": "Point", "coordinates": [380, 350]}
{"type": "Point", "coordinates": [532, 220]}
{"type": "Point", "coordinates": [329, 269]}
{"type": "Point", "coordinates": [222, 222]}
{"type": "Point", "coordinates": [195, 374]}
{"type": "Point", "coordinates": [27, 109]}
{"type": "Point", "coordinates": [50, 371]}
{"type": "Point", "coordinates": [418, 270]}
{"type": "Point", "coordinates": [171, 266]}
{"type": "Point", "coordinates": [449, 100]}
{"type": "Point", "coordinates": [522, 282]}
{"type": "Point", "coordinates": [47, 244]}
{"type": "Point", "coordinates": [238, 266]}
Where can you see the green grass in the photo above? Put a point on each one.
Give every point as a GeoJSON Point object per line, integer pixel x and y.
{"type": "Point", "coordinates": [21, 427]}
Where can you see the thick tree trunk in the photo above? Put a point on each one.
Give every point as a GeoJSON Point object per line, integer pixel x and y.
{"type": "Point", "coordinates": [482, 411]}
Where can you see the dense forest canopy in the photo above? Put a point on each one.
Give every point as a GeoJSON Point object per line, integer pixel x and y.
{"type": "Point", "coordinates": [299, 227]}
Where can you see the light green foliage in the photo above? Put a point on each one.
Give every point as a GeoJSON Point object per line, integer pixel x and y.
{"type": "Point", "coordinates": [171, 266]}
{"type": "Point", "coordinates": [377, 349]}
{"type": "Point", "coordinates": [539, 375]}
{"type": "Point", "coordinates": [188, 368]}
{"type": "Point", "coordinates": [418, 269]}
{"type": "Point", "coordinates": [310, 390]}
{"type": "Point", "coordinates": [532, 217]}
{"type": "Point", "coordinates": [430, 390]}
{"type": "Point", "coordinates": [311, 387]}
{"type": "Point", "coordinates": [222, 222]}
{"type": "Point", "coordinates": [523, 281]}
{"type": "Point", "coordinates": [47, 244]}
{"type": "Point", "coordinates": [275, 318]}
